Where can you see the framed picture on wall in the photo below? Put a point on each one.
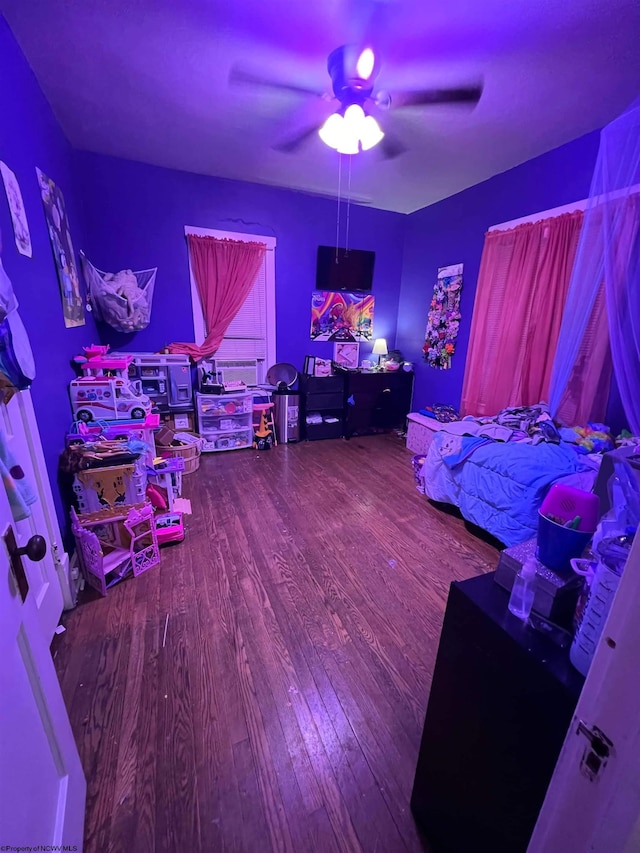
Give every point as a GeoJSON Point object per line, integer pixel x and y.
{"type": "Point", "coordinates": [346, 354]}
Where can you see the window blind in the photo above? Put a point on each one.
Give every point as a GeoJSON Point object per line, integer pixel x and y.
{"type": "Point", "coordinates": [246, 336]}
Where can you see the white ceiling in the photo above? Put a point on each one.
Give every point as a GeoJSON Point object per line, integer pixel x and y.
{"type": "Point", "coordinates": [147, 80]}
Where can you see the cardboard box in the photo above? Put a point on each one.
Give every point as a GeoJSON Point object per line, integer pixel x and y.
{"type": "Point", "coordinates": [179, 421]}
{"type": "Point", "coordinates": [164, 436]}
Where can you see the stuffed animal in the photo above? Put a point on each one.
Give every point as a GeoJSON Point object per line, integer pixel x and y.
{"type": "Point", "coordinates": [125, 284]}
{"type": "Point", "coordinates": [593, 438]}
{"type": "Point", "coordinates": [122, 299]}
{"type": "Point", "coordinates": [134, 313]}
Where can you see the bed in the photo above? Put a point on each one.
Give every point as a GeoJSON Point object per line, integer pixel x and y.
{"type": "Point", "coordinates": [499, 484]}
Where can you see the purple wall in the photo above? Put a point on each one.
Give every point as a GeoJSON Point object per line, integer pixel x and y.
{"type": "Point", "coordinates": [452, 231]}
{"type": "Point", "coordinates": [30, 137]}
{"type": "Point", "coordinates": [134, 216]}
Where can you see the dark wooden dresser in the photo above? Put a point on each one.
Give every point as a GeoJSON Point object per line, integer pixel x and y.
{"type": "Point", "coordinates": [500, 706]}
{"type": "Point", "coordinates": [376, 401]}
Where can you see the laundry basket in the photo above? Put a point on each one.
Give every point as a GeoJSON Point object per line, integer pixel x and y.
{"type": "Point", "coordinates": [190, 451]}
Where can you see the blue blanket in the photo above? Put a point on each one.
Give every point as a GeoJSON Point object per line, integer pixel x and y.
{"type": "Point", "coordinates": [454, 449]}
{"type": "Point", "coordinates": [499, 486]}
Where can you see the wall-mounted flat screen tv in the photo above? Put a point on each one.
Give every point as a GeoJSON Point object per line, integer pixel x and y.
{"type": "Point", "coordinates": [344, 269]}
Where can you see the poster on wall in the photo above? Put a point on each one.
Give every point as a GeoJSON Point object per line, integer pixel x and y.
{"type": "Point", "coordinates": [341, 316]}
{"type": "Point", "coordinates": [443, 321]}
{"type": "Point", "coordinates": [58, 226]}
{"type": "Point", "coordinates": [16, 208]}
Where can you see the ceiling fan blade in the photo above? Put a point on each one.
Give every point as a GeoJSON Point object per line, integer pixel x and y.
{"type": "Point", "coordinates": [391, 147]}
{"type": "Point", "coordinates": [293, 143]}
{"type": "Point", "coordinates": [242, 77]}
{"type": "Point", "coordinates": [426, 97]}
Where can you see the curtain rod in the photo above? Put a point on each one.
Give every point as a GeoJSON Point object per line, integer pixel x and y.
{"type": "Point", "coordinates": [268, 239]}
{"type": "Point", "coordinates": [557, 211]}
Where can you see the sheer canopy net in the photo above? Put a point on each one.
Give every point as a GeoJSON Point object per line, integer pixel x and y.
{"type": "Point", "coordinates": [606, 272]}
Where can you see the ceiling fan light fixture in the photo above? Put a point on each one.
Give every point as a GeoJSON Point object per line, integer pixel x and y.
{"type": "Point", "coordinates": [365, 64]}
{"type": "Point", "coordinates": [348, 143]}
{"type": "Point", "coordinates": [370, 133]}
{"type": "Point", "coordinates": [353, 115]}
{"type": "Point", "coordinates": [331, 131]}
{"type": "Point", "coordinates": [348, 133]}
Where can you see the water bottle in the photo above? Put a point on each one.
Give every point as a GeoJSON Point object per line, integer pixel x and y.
{"type": "Point", "coordinates": [524, 588]}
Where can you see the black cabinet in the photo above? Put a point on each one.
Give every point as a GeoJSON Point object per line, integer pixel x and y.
{"type": "Point", "coordinates": [501, 702]}
{"type": "Point", "coordinates": [376, 401]}
{"type": "Point", "coordinates": [322, 396]}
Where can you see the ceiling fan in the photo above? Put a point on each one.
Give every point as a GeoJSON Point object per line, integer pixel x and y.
{"type": "Point", "coordinates": [354, 125]}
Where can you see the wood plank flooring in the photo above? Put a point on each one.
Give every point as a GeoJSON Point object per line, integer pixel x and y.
{"type": "Point", "coordinates": [284, 711]}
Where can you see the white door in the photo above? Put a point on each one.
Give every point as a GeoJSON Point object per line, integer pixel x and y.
{"type": "Point", "coordinates": [42, 787]}
{"type": "Point", "coordinates": [593, 801]}
{"type": "Point", "coordinates": [19, 424]}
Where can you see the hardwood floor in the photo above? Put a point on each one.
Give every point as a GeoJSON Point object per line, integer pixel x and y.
{"type": "Point", "coordinates": [284, 709]}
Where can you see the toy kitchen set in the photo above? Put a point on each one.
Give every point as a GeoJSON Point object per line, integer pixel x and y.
{"type": "Point", "coordinates": [166, 381]}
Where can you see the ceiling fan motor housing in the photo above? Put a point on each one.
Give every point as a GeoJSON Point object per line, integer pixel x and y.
{"type": "Point", "coordinates": [348, 87]}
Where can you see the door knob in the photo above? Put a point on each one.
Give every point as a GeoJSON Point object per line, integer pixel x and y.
{"type": "Point", "coordinates": [35, 549]}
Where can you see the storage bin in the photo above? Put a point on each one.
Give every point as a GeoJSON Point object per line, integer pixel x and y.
{"type": "Point", "coordinates": [225, 421]}
{"type": "Point", "coordinates": [558, 545]}
{"type": "Point", "coordinates": [189, 452]}
{"type": "Point", "coordinates": [420, 432]}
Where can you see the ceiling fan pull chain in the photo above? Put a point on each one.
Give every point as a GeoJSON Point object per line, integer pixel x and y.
{"type": "Point", "coordinates": [346, 242]}
{"type": "Point", "coordinates": [339, 194]}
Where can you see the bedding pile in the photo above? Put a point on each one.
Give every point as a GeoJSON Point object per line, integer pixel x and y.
{"type": "Point", "coordinates": [498, 470]}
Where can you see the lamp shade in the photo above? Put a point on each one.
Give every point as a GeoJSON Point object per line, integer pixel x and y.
{"type": "Point", "coordinates": [380, 346]}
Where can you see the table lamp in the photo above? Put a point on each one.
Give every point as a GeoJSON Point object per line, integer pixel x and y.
{"type": "Point", "coordinates": [380, 349]}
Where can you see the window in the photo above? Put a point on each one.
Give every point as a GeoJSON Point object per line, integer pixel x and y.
{"type": "Point", "coordinates": [252, 333]}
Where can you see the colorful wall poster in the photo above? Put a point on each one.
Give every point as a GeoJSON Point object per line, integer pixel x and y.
{"type": "Point", "coordinates": [16, 208]}
{"type": "Point", "coordinates": [62, 247]}
{"type": "Point", "coordinates": [341, 316]}
{"type": "Point", "coordinates": [443, 321]}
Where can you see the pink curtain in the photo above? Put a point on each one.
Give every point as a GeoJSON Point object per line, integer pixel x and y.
{"type": "Point", "coordinates": [224, 272]}
{"type": "Point", "coordinates": [522, 286]}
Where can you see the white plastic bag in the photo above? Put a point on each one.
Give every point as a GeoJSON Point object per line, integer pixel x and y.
{"type": "Point", "coordinates": [123, 300]}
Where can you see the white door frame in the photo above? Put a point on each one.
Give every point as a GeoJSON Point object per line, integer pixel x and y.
{"type": "Point", "coordinates": [602, 814]}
